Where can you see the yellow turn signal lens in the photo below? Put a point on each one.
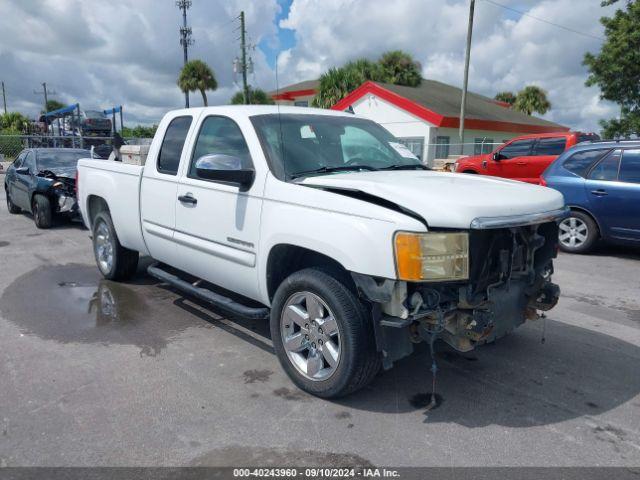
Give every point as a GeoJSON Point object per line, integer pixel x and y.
{"type": "Point", "coordinates": [433, 256]}
{"type": "Point", "coordinates": [408, 256]}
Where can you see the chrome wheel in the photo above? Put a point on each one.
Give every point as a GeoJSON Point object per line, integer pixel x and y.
{"type": "Point", "coordinates": [573, 232]}
{"type": "Point", "coordinates": [103, 246]}
{"type": "Point", "coordinates": [310, 336]}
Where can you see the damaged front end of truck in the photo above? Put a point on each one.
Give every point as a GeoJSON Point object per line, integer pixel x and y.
{"type": "Point", "coordinates": [507, 271]}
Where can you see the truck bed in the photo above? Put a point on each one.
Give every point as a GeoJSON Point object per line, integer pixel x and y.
{"type": "Point", "coordinates": [119, 185]}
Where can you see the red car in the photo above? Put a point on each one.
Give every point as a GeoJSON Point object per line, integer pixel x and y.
{"type": "Point", "coordinates": [523, 158]}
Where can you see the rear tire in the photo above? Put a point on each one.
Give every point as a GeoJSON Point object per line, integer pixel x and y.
{"type": "Point", "coordinates": [12, 207]}
{"type": "Point", "coordinates": [578, 233]}
{"type": "Point", "coordinates": [347, 343]}
{"type": "Point", "coordinates": [114, 261]}
{"type": "Point", "coordinates": [42, 213]}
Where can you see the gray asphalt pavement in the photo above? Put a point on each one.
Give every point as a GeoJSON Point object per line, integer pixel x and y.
{"type": "Point", "coordinates": [97, 373]}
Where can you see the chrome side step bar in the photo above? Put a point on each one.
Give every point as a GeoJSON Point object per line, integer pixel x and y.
{"type": "Point", "coordinates": [215, 299]}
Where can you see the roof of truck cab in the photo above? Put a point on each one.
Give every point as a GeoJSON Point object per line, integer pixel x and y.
{"type": "Point", "coordinates": [251, 110]}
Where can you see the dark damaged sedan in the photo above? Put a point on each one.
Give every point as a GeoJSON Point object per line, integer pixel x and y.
{"type": "Point", "coordinates": [42, 181]}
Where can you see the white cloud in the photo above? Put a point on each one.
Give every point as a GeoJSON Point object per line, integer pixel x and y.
{"type": "Point", "coordinates": [122, 52]}
{"type": "Point", "coordinates": [509, 51]}
{"type": "Point", "coordinates": [104, 53]}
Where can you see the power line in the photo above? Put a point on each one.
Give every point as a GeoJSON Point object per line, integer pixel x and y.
{"type": "Point", "coordinates": [525, 14]}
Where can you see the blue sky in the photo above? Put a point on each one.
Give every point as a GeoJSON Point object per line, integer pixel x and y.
{"type": "Point", "coordinates": [285, 38]}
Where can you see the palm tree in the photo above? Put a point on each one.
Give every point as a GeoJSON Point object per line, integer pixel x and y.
{"type": "Point", "coordinates": [196, 75]}
{"type": "Point", "coordinates": [506, 97]}
{"type": "Point", "coordinates": [336, 84]}
{"type": "Point", "coordinates": [53, 105]}
{"type": "Point", "coordinates": [13, 121]}
{"type": "Point", "coordinates": [256, 97]}
{"type": "Point", "coordinates": [532, 99]}
{"type": "Point", "coordinates": [400, 68]}
{"type": "Point", "coordinates": [362, 70]}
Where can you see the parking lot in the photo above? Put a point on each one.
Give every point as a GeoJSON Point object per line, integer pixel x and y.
{"type": "Point", "coordinates": [98, 373]}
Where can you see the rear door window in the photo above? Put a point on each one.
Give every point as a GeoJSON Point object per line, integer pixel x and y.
{"type": "Point", "coordinates": [172, 144]}
{"type": "Point", "coordinates": [607, 168]}
{"type": "Point", "coordinates": [580, 162]}
{"type": "Point", "coordinates": [630, 167]}
{"type": "Point", "coordinates": [550, 146]}
{"type": "Point", "coordinates": [518, 148]}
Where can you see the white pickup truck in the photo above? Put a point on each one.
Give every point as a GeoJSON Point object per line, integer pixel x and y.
{"type": "Point", "coordinates": [324, 223]}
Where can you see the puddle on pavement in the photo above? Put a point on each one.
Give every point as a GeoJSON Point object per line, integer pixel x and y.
{"type": "Point", "coordinates": [240, 456]}
{"type": "Point", "coordinates": [73, 303]}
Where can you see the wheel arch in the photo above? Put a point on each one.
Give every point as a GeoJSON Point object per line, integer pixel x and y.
{"type": "Point", "coordinates": [285, 259]}
{"type": "Point", "coordinates": [95, 205]}
{"type": "Point", "coordinates": [45, 193]}
{"type": "Point", "coordinates": [591, 215]}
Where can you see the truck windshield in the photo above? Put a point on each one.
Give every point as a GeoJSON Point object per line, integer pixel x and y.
{"type": "Point", "coordinates": [300, 145]}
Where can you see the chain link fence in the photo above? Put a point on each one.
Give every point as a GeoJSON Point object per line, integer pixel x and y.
{"type": "Point", "coordinates": [12, 145]}
{"type": "Point", "coordinates": [446, 150]}
{"type": "Point", "coordinates": [442, 156]}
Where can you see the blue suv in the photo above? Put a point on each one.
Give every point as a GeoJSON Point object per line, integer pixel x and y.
{"type": "Point", "coordinates": [600, 182]}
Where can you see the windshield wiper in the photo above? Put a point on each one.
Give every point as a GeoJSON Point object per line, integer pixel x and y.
{"type": "Point", "coordinates": [342, 168]}
{"type": "Point", "coordinates": [406, 167]}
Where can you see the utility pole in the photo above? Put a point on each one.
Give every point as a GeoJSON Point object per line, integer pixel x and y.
{"type": "Point", "coordinates": [4, 98]}
{"type": "Point", "coordinates": [185, 38]}
{"type": "Point", "coordinates": [46, 97]}
{"type": "Point", "coordinates": [463, 103]}
{"type": "Point", "coordinates": [243, 61]}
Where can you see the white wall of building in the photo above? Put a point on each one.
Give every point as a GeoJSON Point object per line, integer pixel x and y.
{"type": "Point", "coordinates": [400, 123]}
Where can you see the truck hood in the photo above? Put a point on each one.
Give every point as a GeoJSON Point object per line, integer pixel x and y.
{"type": "Point", "coordinates": [446, 200]}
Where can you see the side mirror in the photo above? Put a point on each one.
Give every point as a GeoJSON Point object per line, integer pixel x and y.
{"type": "Point", "coordinates": [23, 171]}
{"type": "Point", "coordinates": [224, 168]}
{"type": "Point", "coordinates": [496, 156]}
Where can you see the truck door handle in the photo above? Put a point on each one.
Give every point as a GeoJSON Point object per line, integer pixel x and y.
{"type": "Point", "coordinates": [599, 193]}
{"type": "Point", "coordinates": [521, 163]}
{"type": "Point", "coordinates": [188, 198]}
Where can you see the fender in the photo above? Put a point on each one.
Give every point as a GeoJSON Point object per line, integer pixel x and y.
{"type": "Point", "coordinates": [104, 185]}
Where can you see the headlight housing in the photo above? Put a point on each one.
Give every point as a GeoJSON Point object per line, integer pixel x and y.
{"type": "Point", "coordinates": [432, 256]}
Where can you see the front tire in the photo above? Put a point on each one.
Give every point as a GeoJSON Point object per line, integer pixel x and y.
{"type": "Point", "coordinates": [577, 233]}
{"type": "Point", "coordinates": [12, 207]}
{"type": "Point", "coordinates": [42, 213]}
{"type": "Point", "coordinates": [114, 261]}
{"type": "Point", "coordinates": [323, 335]}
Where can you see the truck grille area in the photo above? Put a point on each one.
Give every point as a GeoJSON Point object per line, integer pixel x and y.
{"type": "Point", "coordinates": [499, 254]}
